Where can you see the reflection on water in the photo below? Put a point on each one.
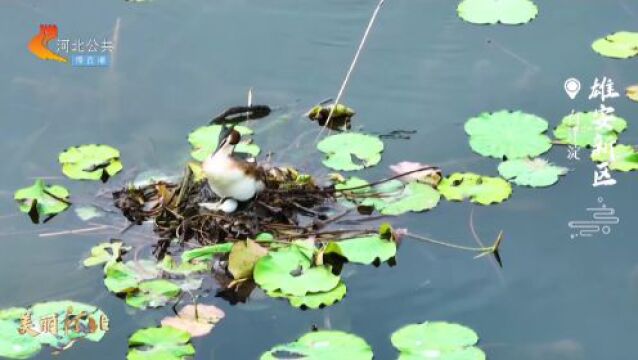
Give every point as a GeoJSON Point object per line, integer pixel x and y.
{"type": "Point", "coordinates": [178, 63]}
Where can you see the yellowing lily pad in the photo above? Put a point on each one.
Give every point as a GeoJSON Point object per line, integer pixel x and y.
{"type": "Point", "coordinates": [632, 92]}
{"type": "Point", "coordinates": [322, 345]}
{"type": "Point", "coordinates": [620, 45]}
{"type": "Point", "coordinates": [351, 151]}
{"type": "Point", "coordinates": [625, 157]}
{"type": "Point", "coordinates": [478, 189]}
{"type": "Point", "coordinates": [510, 12]}
{"type": "Point", "coordinates": [243, 257]}
{"type": "Point", "coordinates": [198, 320]}
{"type": "Point", "coordinates": [90, 162]}
{"type": "Point", "coordinates": [437, 340]}
{"type": "Point", "coordinates": [531, 172]}
{"type": "Point", "coordinates": [40, 199]}
{"type": "Point", "coordinates": [506, 134]}
{"type": "Point", "coordinates": [206, 138]}
{"type": "Point", "coordinates": [584, 128]}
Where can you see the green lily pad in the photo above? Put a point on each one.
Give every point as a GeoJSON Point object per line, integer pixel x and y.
{"type": "Point", "coordinates": [153, 293]}
{"type": "Point", "coordinates": [206, 252]}
{"type": "Point", "coordinates": [314, 300]}
{"type": "Point", "coordinates": [169, 265]}
{"type": "Point", "coordinates": [620, 45]}
{"type": "Point", "coordinates": [243, 257]}
{"type": "Point", "coordinates": [342, 150]}
{"type": "Point", "coordinates": [625, 157]}
{"type": "Point", "coordinates": [62, 310]}
{"type": "Point", "coordinates": [479, 189]}
{"type": "Point", "coordinates": [508, 134]}
{"type": "Point", "coordinates": [160, 343]}
{"type": "Point", "coordinates": [40, 199]}
{"type": "Point", "coordinates": [531, 172]}
{"type": "Point", "coordinates": [584, 128]}
{"type": "Point", "coordinates": [126, 277]}
{"type": "Point", "coordinates": [14, 345]}
{"type": "Point", "coordinates": [363, 250]}
{"type": "Point", "coordinates": [106, 253]}
{"type": "Point", "coordinates": [322, 345]}
{"type": "Point", "coordinates": [206, 138]}
{"type": "Point", "coordinates": [437, 340]}
{"type": "Point", "coordinates": [90, 162]}
{"type": "Point", "coordinates": [510, 12]}
{"type": "Point", "coordinates": [291, 271]}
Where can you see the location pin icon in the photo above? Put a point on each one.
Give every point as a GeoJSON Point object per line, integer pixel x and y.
{"type": "Point", "coordinates": [572, 87]}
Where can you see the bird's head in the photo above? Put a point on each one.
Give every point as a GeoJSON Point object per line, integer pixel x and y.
{"type": "Point", "coordinates": [228, 138]}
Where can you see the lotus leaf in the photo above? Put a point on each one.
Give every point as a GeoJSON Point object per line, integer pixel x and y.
{"type": "Point", "coordinates": [620, 45]}
{"type": "Point", "coordinates": [206, 138]}
{"type": "Point", "coordinates": [479, 189]}
{"type": "Point", "coordinates": [161, 343]}
{"type": "Point", "coordinates": [90, 162]}
{"type": "Point", "coordinates": [531, 172]}
{"type": "Point", "coordinates": [363, 250]}
{"type": "Point", "coordinates": [624, 157]}
{"type": "Point", "coordinates": [106, 253]}
{"type": "Point", "coordinates": [590, 129]}
{"type": "Point", "coordinates": [314, 300]}
{"type": "Point", "coordinates": [40, 199]}
{"type": "Point", "coordinates": [342, 149]}
{"type": "Point", "coordinates": [510, 12]}
{"type": "Point", "coordinates": [322, 345]}
{"type": "Point", "coordinates": [153, 293]}
{"type": "Point", "coordinates": [437, 340]}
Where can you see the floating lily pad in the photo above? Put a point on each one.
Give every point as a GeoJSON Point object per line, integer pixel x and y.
{"type": "Point", "coordinates": [39, 199]}
{"type": "Point", "coordinates": [196, 321]}
{"type": "Point", "coordinates": [437, 340]}
{"type": "Point", "coordinates": [206, 138]}
{"type": "Point", "coordinates": [243, 257]}
{"type": "Point", "coordinates": [510, 12]}
{"type": "Point", "coordinates": [584, 128]}
{"type": "Point", "coordinates": [531, 172]}
{"type": "Point", "coordinates": [291, 271]}
{"type": "Point", "coordinates": [508, 134]}
{"type": "Point", "coordinates": [351, 151]}
{"type": "Point", "coordinates": [153, 293]}
{"type": "Point", "coordinates": [322, 345]}
{"type": "Point", "coordinates": [90, 162]}
{"type": "Point", "coordinates": [14, 345]}
{"type": "Point", "coordinates": [625, 157]}
{"type": "Point", "coordinates": [161, 343]}
{"type": "Point", "coordinates": [479, 189]}
{"type": "Point", "coordinates": [340, 119]}
{"type": "Point", "coordinates": [363, 250]}
{"type": "Point", "coordinates": [620, 45]}
{"type": "Point", "coordinates": [206, 252]}
{"type": "Point", "coordinates": [106, 253]}
{"type": "Point", "coordinates": [632, 92]}
{"type": "Point", "coordinates": [126, 277]}
{"type": "Point", "coordinates": [169, 265]}
{"type": "Point", "coordinates": [314, 300]}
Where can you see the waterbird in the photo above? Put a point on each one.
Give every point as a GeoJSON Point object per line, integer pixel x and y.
{"type": "Point", "coordinates": [231, 178]}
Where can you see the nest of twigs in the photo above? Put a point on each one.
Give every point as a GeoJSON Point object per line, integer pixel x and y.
{"type": "Point", "coordinates": [289, 207]}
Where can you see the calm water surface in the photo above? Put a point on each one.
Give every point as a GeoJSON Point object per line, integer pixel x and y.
{"type": "Point", "coordinates": [179, 62]}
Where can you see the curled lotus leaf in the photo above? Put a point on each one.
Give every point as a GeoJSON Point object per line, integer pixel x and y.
{"type": "Point", "coordinates": [619, 157]}
{"type": "Point", "coordinates": [322, 345]}
{"type": "Point", "coordinates": [509, 12]}
{"type": "Point", "coordinates": [206, 138]}
{"type": "Point", "coordinates": [351, 151]}
{"type": "Point", "coordinates": [90, 162]}
{"type": "Point", "coordinates": [42, 199]}
{"type": "Point", "coordinates": [620, 45]}
{"type": "Point", "coordinates": [589, 129]}
{"type": "Point", "coordinates": [531, 172]}
{"type": "Point", "coordinates": [105, 253]}
{"type": "Point", "coordinates": [437, 340]}
{"type": "Point", "coordinates": [478, 189]}
{"type": "Point", "coordinates": [291, 271]}
{"type": "Point", "coordinates": [506, 134]}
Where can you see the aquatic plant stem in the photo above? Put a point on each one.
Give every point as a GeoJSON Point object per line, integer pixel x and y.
{"type": "Point", "coordinates": [450, 245]}
{"type": "Point", "coordinates": [352, 65]}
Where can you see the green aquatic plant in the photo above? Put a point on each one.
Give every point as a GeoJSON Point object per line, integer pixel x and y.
{"type": "Point", "coordinates": [619, 45]}
{"type": "Point", "coordinates": [509, 12]}
{"type": "Point", "coordinates": [153, 293]}
{"type": "Point", "coordinates": [206, 138]}
{"type": "Point", "coordinates": [125, 277]}
{"type": "Point", "coordinates": [206, 252]}
{"type": "Point", "coordinates": [351, 151]}
{"type": "Point", "coordinates": [314, 300]}
{"type": "Point", "coordinates": [625, 157]}
{"type": "Point", "coordinates": [587, 128]}
{"type": "Point", "coordinates": [58, 324]}
{"type": "Point", "coordinates": [106, 253]}
{"type": "Point", "coordinates": [437, 340]}
{"type": "Point", "coordinates": [478, 189]}
{"type": "Point", "coordinates": [531, 172]}
{"type": "Point", "coordinates": [41, 199]}
{"type": "Point", "coordinates": [506, 134]}
{"type": "Point", "coordinates": [90, 162]}
{"type": "Point", "coordinates": [324, 344]}
{"type": "Point", "coordinates": [363, 250]}
{"type": "Point", "coordinates": [160, 343]}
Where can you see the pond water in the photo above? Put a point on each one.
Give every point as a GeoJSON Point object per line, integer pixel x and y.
{"type": "Point", "coordinates": [178, 63]}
